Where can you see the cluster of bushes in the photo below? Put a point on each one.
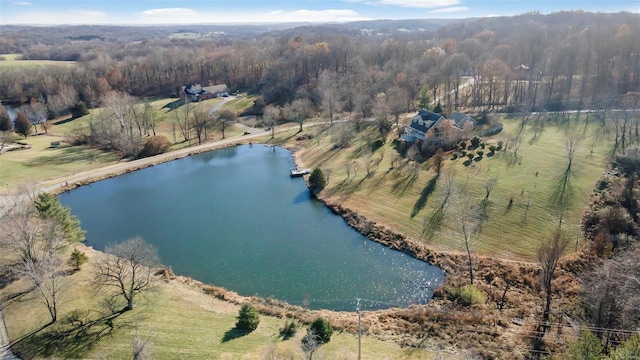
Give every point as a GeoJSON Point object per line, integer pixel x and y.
{"type": "Point", "coordinates": [467, 295]}
{"type": "Point", "coordinates": [155, 145]}
{"type": "Point", "coordinates": [611, 221]}
{"type": "Point", "coordinates": [475, 150]}
{"type": "Point", "coordinates": [318, 333]}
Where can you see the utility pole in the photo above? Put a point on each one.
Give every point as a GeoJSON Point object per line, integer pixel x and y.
{"type": "Point", "coordinates": [359, 329]}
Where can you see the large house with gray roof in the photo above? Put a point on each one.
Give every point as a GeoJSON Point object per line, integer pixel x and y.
{"type": "Point", "coordinates": [197, 92]}
{"type": "Point", "coordinates": [427, 125]}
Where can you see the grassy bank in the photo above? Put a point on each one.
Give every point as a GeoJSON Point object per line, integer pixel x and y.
{"type": "Point", "coordinates": [520, 211]}
{"type": "Point", "coordinates": [41, 162]}
{"type": "Point", "coordinates": [183, 322]}
{"type": "Point", "coordinates": [177, 319]}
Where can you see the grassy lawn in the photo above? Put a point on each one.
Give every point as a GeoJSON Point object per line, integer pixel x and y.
{"type": "Point", "coordinates": [520, 213]}
{"type": "Point", "coordinates": [41, 162]}
{"type": "Point", "coordinates": [179, 321]}
{"type": "Point", "coordinates": [10, 57]}
{"type": "Point", "coordinates": [240, 104]}
{"type": "Point", "coordinates": [11, 60]}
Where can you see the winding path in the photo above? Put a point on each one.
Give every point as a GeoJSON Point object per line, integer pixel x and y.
{"type": "Point", "coordinates": [118, 168]}
{"type": "Point", "coordinates": [5, 351]}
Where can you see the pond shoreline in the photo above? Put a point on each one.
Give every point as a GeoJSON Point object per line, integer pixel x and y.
{"type": "Point", "coordinates": [493, 276]}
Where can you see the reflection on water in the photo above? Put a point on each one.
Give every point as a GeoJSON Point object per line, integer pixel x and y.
{"type": "Point", "coordinates": [234, 218]}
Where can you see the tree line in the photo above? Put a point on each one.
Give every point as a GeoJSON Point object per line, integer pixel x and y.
{"type": "Point", "coordinates": [527, 62]}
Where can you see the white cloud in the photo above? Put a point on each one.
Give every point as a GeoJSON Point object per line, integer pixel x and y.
{"type": "Point", "coordinates": [420, 3]}
{"type": "Point", "coordinates": [189, 16]}
{"type": "Point", "coordinates": [69, 17]}
{"type": "Point", "coordinates": [329, 15]}
{"type": "Point", "coordinates": [21, 3]}
{"type": "Point", "coordinates": [452, 9]}
{"type": "Point", "coordinates": [171, 16]}
{"type": "Point", "coordinates": [169, 12]}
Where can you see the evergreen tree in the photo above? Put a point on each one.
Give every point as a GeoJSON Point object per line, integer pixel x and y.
{"type": "Point", "coordinates": [49, 207]}
{"type": "Point", "coordinates": [248, 318]}
{"type": "Point", "coordinates": [79, 109]}
{"type": "Point", "coordinates": [423, 99]}
{"type": "Point", "coordinates": [317, 179]}
{"type": "Point", "coordinates": [322, 328]}
{"type": "Point", "coordinates": [76, 259]}
{"type": "Point", "coordinates": [438, 108]}
{"type": "Point", "coordinates": [5, 121]}
{"type": "Point", "coordinates": [22, 124]}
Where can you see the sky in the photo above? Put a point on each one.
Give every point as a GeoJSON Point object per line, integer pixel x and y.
{"type": "Point", "coordinates": [148, 12]}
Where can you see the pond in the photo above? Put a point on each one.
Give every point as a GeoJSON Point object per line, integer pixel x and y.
{"type": "Point", "coordinates": [235, 218]}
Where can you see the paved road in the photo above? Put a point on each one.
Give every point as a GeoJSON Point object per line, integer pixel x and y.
{"type": "Point", "coordinates": [5, 352]}
{"type": "Point", "coordinates": [122, 167]}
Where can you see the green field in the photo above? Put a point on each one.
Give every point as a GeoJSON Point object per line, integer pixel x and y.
{"type": "Point", "coordinates": [178, 321]}
{"type": "Point", "coordinates": [519, 213]}
{"type": "Point", "coordinates": [13, 60]}
{"type": "Point", "coordinates": [41, 162]}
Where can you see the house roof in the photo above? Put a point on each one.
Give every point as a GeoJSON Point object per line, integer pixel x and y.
{"type": "Point", "coordinates": [197, 89]}
{"type": "Point", "coordinates": [427, 115]}
{"type": "Point", "coordinates": [216, 88]}
{"type": "Point", "coordinates": [460, 118]}
{"type": "Point", "coordinates": [425, 120]}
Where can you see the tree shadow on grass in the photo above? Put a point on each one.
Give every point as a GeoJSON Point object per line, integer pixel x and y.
{"type": "Point", "coordinates": [405, 182]}
{"type": "Point", "coordinates": [563, 190]}
{"type": "Point", "coordinates": [435, 221]}
{"type": "Point", "coordinates": [424, 196]}
{"type": "Point", "coordinates": [234, 333]}
{"type": "Point", "coordinates": [59, 340]}
{"type": "Point", "coordinates": [68, 155]}
{"type": "Point", "coordinates": [347, 187]}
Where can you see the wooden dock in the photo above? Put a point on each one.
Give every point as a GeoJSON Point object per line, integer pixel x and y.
{"type": "Point", "coordinates": [299, 172]}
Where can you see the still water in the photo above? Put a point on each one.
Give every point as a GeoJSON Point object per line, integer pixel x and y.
{"type": "Point", "coordinates": [234, 218]}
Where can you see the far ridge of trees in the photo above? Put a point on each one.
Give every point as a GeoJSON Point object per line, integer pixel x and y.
{"type": "Point", "coordinates": [508, 63]}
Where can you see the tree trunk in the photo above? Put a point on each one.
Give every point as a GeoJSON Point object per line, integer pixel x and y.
{"type": "Point", "coordinates": [470, 262]}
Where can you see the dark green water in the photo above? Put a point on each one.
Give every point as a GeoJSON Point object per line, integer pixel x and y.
{"type": "Point", "coordinates": [234, 218]}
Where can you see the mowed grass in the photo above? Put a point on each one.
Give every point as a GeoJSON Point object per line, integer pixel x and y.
{"type": "Point", "coordinates": [240, 104]}
{"type": "Point", "coordinates": [13, 60]}
{"type": "Point", "coordinates": [178, 322]}
{"type": "Point", "coordinates": [41, 162]}
{"type": "Point", "coordinates": [520, 213]}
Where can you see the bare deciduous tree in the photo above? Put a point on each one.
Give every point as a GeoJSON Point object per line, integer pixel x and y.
{"type": "Point", "coordinates": [33, 247]}
{"type": "Point", "coordinates": [397, 102]}
{"type": "Point", "coordinates": [201, 120]}
{"type": "Point", "coordinates": [270, 118]}
{"type": "Point", "coordinates": [299, 110]}
{"type": "Point", "coordinates": [611, 294]}
{"type": "Point", "coordinates": [310, 343]}
{"type": "Point", "coordinates": [328, 91]}
{"type": "Point", "coordinates": [141, 349]}
{"type": "Point", "coordinates": [224, 120]}
{"type": "Point", "coordinates": [125, 270]}
{"type": "Point", "coordinates": [549, 255]}
{"type": "Point", "coordinates": [49, 282]}
{"type": "Point", "coordinates": [469, 221]}
{"type": "Point", "coordinates": [27, 237]}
